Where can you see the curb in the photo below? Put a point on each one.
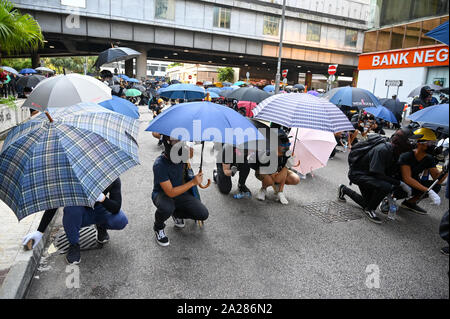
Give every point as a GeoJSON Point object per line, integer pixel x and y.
{"type": "Point", "coordinates": [18, 279]}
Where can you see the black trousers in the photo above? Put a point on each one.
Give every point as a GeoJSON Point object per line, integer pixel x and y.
{"type": "Point", "coordinates": [185, 206]}
{"type": "Point", "coordinates": [372, 190]}
{"type": "Point", "coordinates": [224, 182]}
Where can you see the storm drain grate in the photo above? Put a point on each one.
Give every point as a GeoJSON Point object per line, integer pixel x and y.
{"type": "Point", "coordinates": [333, 211]}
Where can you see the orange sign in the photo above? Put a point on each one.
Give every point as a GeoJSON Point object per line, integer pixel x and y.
{"type": "Point", "coordinates": [411, 58]}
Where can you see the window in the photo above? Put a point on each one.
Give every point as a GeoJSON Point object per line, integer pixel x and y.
{"type": "Point", "coordinates": [165, 9]}
{"type": "Point", "coordinates": [351, 38]}
{"type": "Point", "coordinates": [222, 17]}
{"type": "Point", "coordinates": [271, 25]}
{"type": "Point", "coordinates": [313, 32]}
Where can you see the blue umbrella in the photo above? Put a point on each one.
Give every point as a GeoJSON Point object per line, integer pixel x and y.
{"type": "Point", "coordinates": [28, 71]}
{"type": "Point", "coordinates": [303, 111]}
{"type": "Point", "coordinates": [9, 69]}
{"type": "Point", "coordinates": [269, 88]}
{"type": "Point", "coordinates": [226, 84]}
{"type": "Point", "coordinates": [350, 96]}
{"type": "Point", "coordinates": [67, 162]}
{"type": "Point", "coordinates": [214, 95]}
{"type": "Point", "coordinates": [214, 89]}
{"type": "Point", "coordinates": [239, 83]}
{"type": "Point", "coordinates": [440, 33]}
{"type": "Point", "coordinates": [227, 88]}
{"type": "Point", "coordinates": [160, 90]}
{"type": "Point", "coordinates": [123, 77]}
{"type": "Point", "coordinates": [122, 106]}
{"type": "Point", "coordinates": [164, 85]}
{"type": "Point", "coordinates": [382, 112]}
{"type": "Point", "coordinates": [432, 116]}
{"type": "Point", "coordinates": [133, 80]}
{"type": "Point", "coordinates": [183, 91]}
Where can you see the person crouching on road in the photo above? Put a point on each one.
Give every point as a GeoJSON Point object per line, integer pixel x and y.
{"type": "Point", "coordinates": [173, 194]}
{"type": "Point", "coordinates": [106, 215]}
{"type": "Point", "coordinates": [412, 164]}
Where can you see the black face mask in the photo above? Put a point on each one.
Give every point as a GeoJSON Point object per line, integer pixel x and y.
{"type": "Point", "coordinates": [433, 150]}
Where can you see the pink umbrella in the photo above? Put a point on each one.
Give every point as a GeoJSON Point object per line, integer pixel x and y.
{"type": "Point", "coordinates": [249, 106]}
{"type": "Point", "coordinates": [312, 148]}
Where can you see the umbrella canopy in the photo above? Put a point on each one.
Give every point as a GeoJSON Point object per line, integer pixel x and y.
{"type": "Point", "coordinates": [270, 134]}
{"type": "Point", "coordinates": [249, 94]}
{"type": "Point", "coordinates": [214, 95]}
{"type": "Point", "coordinates": [115, 55]}
{"type": "Point", "coordinates": [42, 69]}
{"type": "Point", "coordinates": [68, 162]}
{"type": "Point", "coordinates": [382, 112]}
{"type": "Point", "coordinates": [115, 88]}
{"type": "Point", "coordinates": [299, 86]}
{"type": "Point", "coordinates": [133, 93]}
{"type": "Point", "coordinates": [239, 83]}
{"type": "Point", "coordinates": [206, 83]}
{"type": "Point", "coordinates": [183, 91]}
{"type": "Point", "coordinates": [212, 117]}
{"type": "Point", "coordinates": [416, 91]}
{"type": "Point", "coordinates": [249, 106]}
{"type": "Point", "coordinates": [440, 33]}
{"type": "Point", "coordinates": [164, 85]}
{"type": "Point", "coordinates": [314, 93]}
{"type": "Point", "coordinates": [30, 81]}
{"type": "Point", "coordinates": [395, 106]}
{"type": "Point", "coordinates": [175, 82]}
{"type": "Point", "coordinates": [312, 148]}
{"type": "Point", "coordinates": [350, 96]}
{"type": "Point", "coordinates": [27, 71]}
{"type": "Point", "coordinates": [303, 111]}
{"type": "Point", "coordinates": [218, 84]}
{"type": "Point", "coordinates": [122, 106]}
{"type": "Point", "coordinates": [140, 88]}
{"type": "Point", "coordinates": [434, 116]}
{"type": "Point", "coordinates": [228, 88]}
{"type": "Point", "coordinates": [67, 90]}
{"type": "Point", "coordinates": [269, 88]}
{"type": "Point", "coordinates": [133, 80]}
{"type": "Point", "coordinates": [226, 84]}
{"type": "Point", "coordinates": [123, 77]}
{"type": "Point", "coordinates": [214, 89]}
{"type": "Point", "coordinates": [9, 69]}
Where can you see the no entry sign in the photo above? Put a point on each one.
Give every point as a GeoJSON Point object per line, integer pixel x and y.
{"type": "Point", "coordinates": [332, 69]}
{"type": "Point", "coordinates": [285, 73]}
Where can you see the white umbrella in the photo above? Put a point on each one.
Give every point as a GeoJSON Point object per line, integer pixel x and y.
{"type": "Point", "coordinates": [43, 69]}
{"type": "Point", "coordinates": [67, 90]}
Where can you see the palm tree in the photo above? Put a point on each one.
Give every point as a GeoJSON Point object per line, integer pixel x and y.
{"type": "Point", "coordinates": [18, 32]}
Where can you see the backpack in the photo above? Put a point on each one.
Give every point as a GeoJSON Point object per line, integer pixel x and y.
{"type": "Point", "coordinates": [362, 148]}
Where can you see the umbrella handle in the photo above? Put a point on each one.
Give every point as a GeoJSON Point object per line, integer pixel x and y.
{"type": "Point", "coordinates": [205, 186]}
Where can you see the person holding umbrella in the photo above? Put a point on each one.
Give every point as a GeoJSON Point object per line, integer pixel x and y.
{"type": "Point", "coordinates": [423, 101]}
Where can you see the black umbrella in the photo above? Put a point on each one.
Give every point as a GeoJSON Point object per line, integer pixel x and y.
{"type": "Point", "coordinates": [249, 94]}
{"type": "Point", "coordinates": [115, 55]}
{"type": "Point", "coordinates": [140, 88]}
{"type": "Point", "coordinates": [299, 86]}
{"type": "Point", "coordinates": [225, 93]}
{"type": "Point", "coordinates": [30, 81]}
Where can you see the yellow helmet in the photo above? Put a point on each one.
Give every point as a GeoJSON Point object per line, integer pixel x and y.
{"type": "Point", "coordinates": [428, 135]}
{"type": "Point", "coordinates": [160, 101]}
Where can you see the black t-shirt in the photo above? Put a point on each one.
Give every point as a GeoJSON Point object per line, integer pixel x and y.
{"type": "Point", "coordinates": [165, 170]}
{"type": "Point", "coordinates": [416, 167]}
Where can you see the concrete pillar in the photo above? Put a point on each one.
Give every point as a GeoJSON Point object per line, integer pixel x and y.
{"type": "Point", "coordinates": [141, 65]}
{"type": "Point", "coordinates": [308, 80]}
{"type": "Point", "coordinates": [129, 68]}
{"type": "Point", "coordinates": [35, 60]}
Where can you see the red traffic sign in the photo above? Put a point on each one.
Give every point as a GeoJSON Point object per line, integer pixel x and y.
{"type": "Point", "coordinates": [285, 73]}
{"type": "Point", "coordinates": [190, 77]}
{"type": "Point", "coordinates": [332, 69]}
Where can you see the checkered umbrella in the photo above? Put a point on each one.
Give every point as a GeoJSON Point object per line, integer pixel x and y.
{"type": "Point", "coordinates": [303, 110]}
{"type": "Point", "coordinates": [67, 162]}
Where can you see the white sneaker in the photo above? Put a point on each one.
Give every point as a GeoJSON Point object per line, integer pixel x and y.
{"type": "Point", "coordinates": [282, 198]}
{"type": "Point", "coordinates": [262, 193]}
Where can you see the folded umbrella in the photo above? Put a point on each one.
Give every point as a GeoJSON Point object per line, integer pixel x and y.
{"type": "Point", "coordinates": [122, 106]}
{"type": "Point", "coordinates": [249, 94]}
{"type": "Point", "coordinates": [115, 55]}
{"type": "Point", "coordinates": [67, 162]}
{"type": "Point", "coordinates": [184, 91]}
{"type": "Point", "coordinates": [67, 90]}
{"type": "Point", "coordinates": [382, 112]}
{"type": "Point", "coordinates": [27, 71]}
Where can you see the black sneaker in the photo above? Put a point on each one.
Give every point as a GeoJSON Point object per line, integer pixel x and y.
{"type": "Point", "coordinates": [444, 251]}
{"type": "Point", "coordinates": [73, 256]}
{"type": "Point", "coordinates": [102, 235]}
{"type": "Point", "coordinates": [372, 216]}
{"type": "Point", "coordinates": [341, 194]}
{"type": "Point", "coordinates": [413, 207]}
{"type": "Point", "coordinates": [161, 238]}
{"type": "Point", "coordinates": [178, 222]}
{"type": "Point", "coordinates": [244, 189]}
{"type": "Point", "coordinates": [215, 176]}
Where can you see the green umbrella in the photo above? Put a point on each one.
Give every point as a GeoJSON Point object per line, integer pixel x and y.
{"type": "Point", "coordinates": [133, 93]}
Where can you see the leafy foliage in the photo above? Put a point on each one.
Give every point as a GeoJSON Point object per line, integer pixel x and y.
{"type": "Point", "coordinates": [226, 74]}
{"type": "Point", "coordinates": [70, 64]}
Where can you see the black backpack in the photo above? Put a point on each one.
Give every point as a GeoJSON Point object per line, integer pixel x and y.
{"type": "Point", "coordinates": [362, 148]}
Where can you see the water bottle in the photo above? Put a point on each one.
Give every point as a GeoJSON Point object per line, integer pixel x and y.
{"type": "Point", "coordinates": [242, 195]}
{"type": "Point", "coordinates": [392, 208]}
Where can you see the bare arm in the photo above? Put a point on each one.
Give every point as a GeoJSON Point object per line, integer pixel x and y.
{"type": "Point", "coordinates": [407, 178]}
{"type": "Point", "coordinates": [172, 192]}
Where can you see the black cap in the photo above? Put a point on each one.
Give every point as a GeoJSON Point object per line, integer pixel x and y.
{"type": "Point", "coordinates": [427, 88]}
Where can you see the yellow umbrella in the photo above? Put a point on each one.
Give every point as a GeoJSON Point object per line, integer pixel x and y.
{"type": "Point", "coordinates": [218, 84]}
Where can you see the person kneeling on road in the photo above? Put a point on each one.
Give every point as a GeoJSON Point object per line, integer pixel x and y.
{"type": "Point", "coordinates": [106, 215]}
{"type": "Point", "coordinates": [372, 171]}
{"type": "Point", "coordinates": [415, 162]}
{"type": "Point", "coordinates": [230, 161]}
{"type": "Point", "coordinates": [173, 195]}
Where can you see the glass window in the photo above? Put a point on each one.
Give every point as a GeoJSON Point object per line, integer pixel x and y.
{"type": "Point", "coordinates": [271, 25]}
{"type": "Point", "coordinates": [165, 9]}
{"type": "Point", "coordinates": [222, 17]}
{"type": "Point", "coordinates": [313, 32]}
{"type": "Point", "coordinates": [395, 11]}
{"type": "Point", "coordinates": [351, 38]}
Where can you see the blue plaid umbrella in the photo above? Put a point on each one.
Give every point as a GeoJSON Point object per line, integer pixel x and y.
{"type": "Point", "coordinates": [67, 162]}
{"type": "Point", "coordinates": [303, 111]}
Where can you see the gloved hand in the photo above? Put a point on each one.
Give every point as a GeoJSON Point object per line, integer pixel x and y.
{"type": "Point", "coordinates": [434, 197]}
{"type": "Point", "coordinates": [101, 198]}
{"type": "Point", "coordinates": [234, 170]}
{"type": "Point", "coordinates": [406, 188]}
{"type": "Point", "coordinates": [35, 236]}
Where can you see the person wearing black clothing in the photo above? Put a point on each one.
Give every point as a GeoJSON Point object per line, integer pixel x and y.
{"type": "Point", "coordinates": [423, 101]}
{"type": "Point", "coordinates": [173, 193]}
{"type": "Point", "coordinates": [231, 161]}
{"type": "Point", "coordinates": [106, 214]}
{"type": "Point", "coordinates": [373, 174]}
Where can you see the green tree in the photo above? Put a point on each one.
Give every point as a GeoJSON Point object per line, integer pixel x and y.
{"type": "Point", "coordinates": [70, 64]}
{"type": "Point", "coordinates": [18, 32]}
{"type": "Point", "coordinates": [17, 64]}
{"type": "Point", "coordinates": [226, 74]}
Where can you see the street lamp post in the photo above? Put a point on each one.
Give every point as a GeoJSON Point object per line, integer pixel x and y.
{"type": "Point", "coordinates": [278, 76]}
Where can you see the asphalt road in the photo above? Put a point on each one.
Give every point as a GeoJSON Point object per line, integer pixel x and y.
{"type": "Point", "coordinates": [252, 249]}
